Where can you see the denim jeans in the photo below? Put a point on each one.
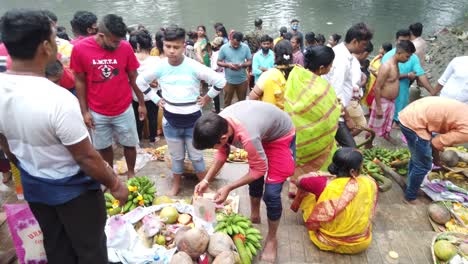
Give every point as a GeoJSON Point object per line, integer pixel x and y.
{"type": "Point", "coordinates": [420, 163]}
{"type": "Point", "coordinates": [179, 140]}
{"type": "Point", "coordinates": [271, 196]}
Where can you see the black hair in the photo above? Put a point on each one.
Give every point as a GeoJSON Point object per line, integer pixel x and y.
{"type": "Point", "coordinates": [387, 46]}
{"type": "Point", "coordinates": [336, 37]}
{"type": "Point", "coordinates": [369, 47]}
{"type": "Point", "coordinates": [174, 33]}
{"type": "Point", "coordinates": [258, 22]}
{"type": "Point", "coordinates": [208, 131]}
{"type": "Point", "coordinates": [217, 24]}
{"type": "Point", "coordinates": [310, 38]}
{"type": "Point", "coordinates": [158, 41]}
{"type": "Point", "coordinates": [402, 33]}
{"type": "Point", "coordinates": [50, 14]}
{"type": "Point", "coordinates": [365, 63]}
{"type": "Point", "coordinates": [360, 32]}
{"type": "Point", "coordinates": [287, 36]}
{"type": "Point", "coordinates": [297, 38]}
{"type": "Point", "coordinates": [238, 36]}
{"type": "Point", "coordinates": [222, 29]}
{"type": "Point", "coordinates": [283, 30]}
{"type": "Point", "coordinates": [204, 29]}
{"type": "Point", "coordinates": [142, 39]}
{"type": "Point", "coordinates": [344, 160]}
{"type": "Point", "coordinates": [317, 56]}
{"type": "Point", "coordinates": [82, 20]}
{"type": "Point", "coordinates": [266, 38]}
{"type": "Point", "coordinates": [53, 68]}
{"type": "Point", "coordinates": [130, 30]}
{"type": "Point", "coordinates": [283, 49]}
{"type": "Point", "coordinates": [294, 20]}
{"type": "Point", "coordinates": [22, 31]}
{"type": "Point", "coordinates": [63, 35]}
{"type": "Point", "coordinates": [406, 46]}
{"type": "Point", "coordinates": [416, 29]}
{"type": "Point", "coordinates": [114, 25]}
{"type": "Point", "coordinates": [320, 39]}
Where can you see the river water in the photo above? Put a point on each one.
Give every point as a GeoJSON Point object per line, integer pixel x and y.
{"type": "Point", "coordinates": [319, 16]}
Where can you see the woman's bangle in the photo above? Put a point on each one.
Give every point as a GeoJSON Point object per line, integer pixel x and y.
{"type": "Point", "coordinates": [206, 181]}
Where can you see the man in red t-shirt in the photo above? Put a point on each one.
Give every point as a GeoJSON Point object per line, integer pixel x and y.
{"type": "Point", "coordinates": [105, 70]}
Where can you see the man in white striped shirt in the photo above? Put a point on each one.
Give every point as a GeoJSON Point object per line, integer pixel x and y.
{"type": "Point", "coordinates": [179, 78]}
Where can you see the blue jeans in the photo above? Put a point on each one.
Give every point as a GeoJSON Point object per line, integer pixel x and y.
{"type": "Point", "coordinates": [178, 141]}
{"type": "Point", "coordinates": [420, 163]}
{"type": "Point", "coordinates": [271, 196]}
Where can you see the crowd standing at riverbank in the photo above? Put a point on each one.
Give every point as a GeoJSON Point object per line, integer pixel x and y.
{"type": "Point", "coordinates": [115, 81]}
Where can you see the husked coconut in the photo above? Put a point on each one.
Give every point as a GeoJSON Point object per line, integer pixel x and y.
{"type": "Point", "coordinates": [181, 258]}
{"type": "Point", "coordinates": [220, 242]}
{"type": "Point", "coordinates": [225, 257]}
{"type": "Point", "coordinates": [194, 242]}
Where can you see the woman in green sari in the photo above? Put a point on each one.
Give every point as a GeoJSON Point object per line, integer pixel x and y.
{"type": "Point", "coordinates": [202, 47]}
{"type": "Point", "coordinates": [314, 108]}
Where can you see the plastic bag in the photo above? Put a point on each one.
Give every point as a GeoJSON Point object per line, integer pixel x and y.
{"type": "Point", "coordinates": [26, 234]}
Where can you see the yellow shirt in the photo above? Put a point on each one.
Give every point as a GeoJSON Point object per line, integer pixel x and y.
{"type": "Point", "coordinates": [272, 83]}
{"type": "Point", "coordinates": [155, 52]}
{"type": "Point", "coordinates": [277, 40]}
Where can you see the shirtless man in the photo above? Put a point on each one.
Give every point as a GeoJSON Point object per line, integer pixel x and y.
{"type": "Point", "coordinates": [386, 90]}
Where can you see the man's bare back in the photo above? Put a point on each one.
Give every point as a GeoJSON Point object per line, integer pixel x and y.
{"type": "Point", "coordinates": [391, 85]}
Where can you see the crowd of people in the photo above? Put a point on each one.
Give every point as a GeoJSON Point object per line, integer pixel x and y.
{"type": "Point", "coordinates": [64, 101]}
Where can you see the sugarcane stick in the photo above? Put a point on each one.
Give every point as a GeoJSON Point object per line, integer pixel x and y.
{"type": "Point", "coordinates": [388, 171]}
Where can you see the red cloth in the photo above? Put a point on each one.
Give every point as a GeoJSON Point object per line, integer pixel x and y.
{"type": "Point", "coordinates": [4, 52]}
{"type": "Point", "coordinates": [68, 79]}
{"type": "Point", "coordinates": [108, 89]}
{"type": "Point", "coordinates": [77, 40]}
{"type": "Point", "coordinates": [314, 185]}
{"type": "Point", "coordinates": [281, 163]}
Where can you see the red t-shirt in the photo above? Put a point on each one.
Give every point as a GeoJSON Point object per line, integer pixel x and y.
{"type": "Point", "coordinates": [108, 89]}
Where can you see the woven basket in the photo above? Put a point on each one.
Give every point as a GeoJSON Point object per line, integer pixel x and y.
{"type": "Point", "coordinates": [208, 156]}
{"type": "Point", "coordinates": [458, 235]}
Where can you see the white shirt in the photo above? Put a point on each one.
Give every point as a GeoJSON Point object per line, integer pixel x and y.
{"type": "Point", "coordinates": [455, 80]}
{"type": "Point", "coordinates": [341, 76]}
{"type": "Point", "coordinates": [146, 64]}
{"type": "Point", "coordinates": [40, 118]}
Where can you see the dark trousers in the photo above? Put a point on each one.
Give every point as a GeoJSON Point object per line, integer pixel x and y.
{"type": "Point", "coordinates": [152, 110]}
{"type": "Point", "coordinates": [217, 104]}
{"type": "Point", "coordinates": [74, 231]}
{"type": "Point", "coordinates": [271, 193]}
{"type": "Point", "coordinates": [344, 137]}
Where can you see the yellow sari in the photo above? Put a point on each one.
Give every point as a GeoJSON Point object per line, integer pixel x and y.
{"type": "Point", "coordinates": [375, 64]}
{"type": "Point", "coordinates": [340, 221]}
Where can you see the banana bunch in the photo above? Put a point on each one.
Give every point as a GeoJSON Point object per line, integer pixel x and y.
{"type": "Point", "coordinates": [141, 193]}
{"type": "Point", "coordinates": [235, 224]}
{"type": "Point", "coordinates": [385, 155]}
{"type": "Point", "coordinates": [453, 227]}
{"type": "Point", "coordinates": [112, 205]}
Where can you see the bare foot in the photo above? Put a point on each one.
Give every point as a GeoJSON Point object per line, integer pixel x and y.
{"type": "Point", "coordinates": [410, 202]}
{"type": "Point", "coordinates": [6, 177]}
{"type": "Point", "coordinates": [270, 250]}
{"type": "Point", "coordinates": [130, 174]}
{"type": "Point", "coordinates": [174, 191]}
{"type": "Point", "coordinates": [292, 190]}
{"type": "Point", "coordinates": [255, 219]}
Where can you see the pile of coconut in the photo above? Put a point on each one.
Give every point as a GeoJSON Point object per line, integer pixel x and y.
{"type": "Point", "coordinates": [193, 244]}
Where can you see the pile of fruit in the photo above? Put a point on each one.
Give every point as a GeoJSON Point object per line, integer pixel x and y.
{"type": "Point", "coordinates": [396, 160]}
{"type": "Point", "coordinates": [450, 247]}
{"type": "Point", "coordinates": [449, 216]}
{"type": "Point", "coordinates": [156, 153]}
{"type": "Point", "coordinates": [238, 155]}
{"type": "Point", "coordinates": [246, 237]}
{"type": "Point", "coordinates": [141, 193]}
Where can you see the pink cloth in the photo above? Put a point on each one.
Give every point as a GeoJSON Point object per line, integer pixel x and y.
{"type": "Point", "coordinates": [281, 163]}
{"type": "Point", "coordinates": [108, 88]}
{"type": "Point", "coordinates": [382, 126]}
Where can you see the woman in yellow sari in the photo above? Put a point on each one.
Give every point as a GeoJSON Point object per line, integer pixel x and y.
{"type": "Point", "coordinates": [338, 208]}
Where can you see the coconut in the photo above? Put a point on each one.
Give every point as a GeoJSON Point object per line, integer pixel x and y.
{"type": "Point", "coordinates": [449, 158]}
{"type": "Point", "coordinates": [220, 242]}
{"type": "Point", "coordinates": [444, 250]}
{"type": "Point", "coordinates": [194, 242]}
{"type": "Point", "coordinates": [181, 258]}
{"type": "Point", "coordinates": [225, 257]}
{"type": "Point", "coordinates": [439, 214]}
{"type": "Point", "coordinates": [169, 215]}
